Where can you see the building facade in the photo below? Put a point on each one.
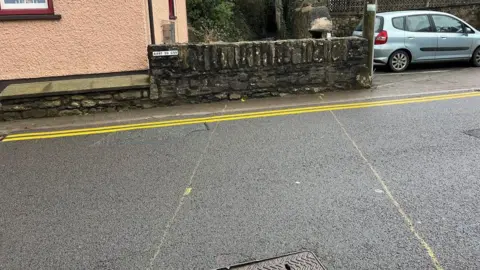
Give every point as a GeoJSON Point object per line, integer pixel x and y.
{"type": "Point", "coordinates": [51, 38]}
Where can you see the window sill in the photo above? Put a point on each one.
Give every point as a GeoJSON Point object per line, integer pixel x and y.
{"type": "Point", "coordinates": [54, 17]}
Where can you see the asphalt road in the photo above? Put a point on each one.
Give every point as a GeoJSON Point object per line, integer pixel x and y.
{"type": "Point", "coordinates": [343, 184]}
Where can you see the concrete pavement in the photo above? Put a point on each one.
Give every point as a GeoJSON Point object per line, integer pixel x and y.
{"type": "Point", "coordinates": [259, 188]}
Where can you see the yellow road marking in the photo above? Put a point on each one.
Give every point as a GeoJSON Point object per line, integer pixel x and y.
{"type": "Point", "coordinates": [187, 191]}
{"type": "Point", "coordinates": [231, 117]}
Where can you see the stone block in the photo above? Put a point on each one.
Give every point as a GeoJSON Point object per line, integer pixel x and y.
{"type": "Point", "coordinates": [296, 54]}
{"type": "Point", "coordinates": [319, 51]}
{"type": "Point", "coordinates": [338, 50]}
{"type": "Point", "coordinates": [257, 54]}
{"type": "Point", "coordinates": [222, 52]}
{"type": "Point", "coordinates": [249, 55]}
{"type": "Point", "coordinates": [231, 57]}
{"type": "Point", "coordinates": [107, 102]}
{"type": "Point", "coordinates": [148, 105]}
{"type": "Point", "coordinates": [194, 83]}
{"type": "Point", "coordinates": [207, 57]}
{"type": "Point", "coordinates": [271, 54]}
{"type": "Point", "coordinates": [35, 113]}
{"type": "Point", "coordinates": [238, 86]}
{"type": "Point", "coordinates": [88, 103]}
{"type": "Point", "coordinates": [278, 53]}
{"type": "Point", "coordinates": [214, 57]}
{"type": "Point", "coordinates": [154, 93]}
{"type": "Point", "coordinates": [52, 112]}
{"type": "Point", "coordinates": [69, 112]}
{"type": "Point", "coordinates": [238, 55]}
{"type": "Point", "coordinates": [221, 96]}
{"type": "Point", "coordinates": [50, 104]}
{"type": "Point", "coordinates": [234, 96]}
{"type": "Point", "coordinates": [357, 50]}
{"type": "Point", "coordinates": [129, 95]}
{"type": "Point", "coordinates": [308, 56]}
{"type": "Point", "coordinates": [287, 52]}
{"type": "Point", "coordinates": [74, 104]}
{"type": "Point", "coordinates": [15, 108]}
{"type": "Point", "coordinates": [8, 116]}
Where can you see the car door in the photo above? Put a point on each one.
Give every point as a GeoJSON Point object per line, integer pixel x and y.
{"type": "Point", "coordinates": [420, 38]}
{"type": "Point", "coordinates": [453, 41]}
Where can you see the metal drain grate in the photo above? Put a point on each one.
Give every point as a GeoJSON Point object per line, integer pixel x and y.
{"type": "Point", "coordinates": [303, 260]}
{"type": "Point", "coordinates": [474, 133]}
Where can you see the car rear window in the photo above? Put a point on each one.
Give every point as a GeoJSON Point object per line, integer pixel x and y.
{"type": "Point", "coordinates": [399, 23]}
{"type": "Point", "coordinates": [378, 25]}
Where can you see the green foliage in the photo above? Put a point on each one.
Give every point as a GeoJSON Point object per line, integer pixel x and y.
{"type": "Point", "coordinates": [255, 14]}
{"type": "Point", "coordinates": [214, 19]}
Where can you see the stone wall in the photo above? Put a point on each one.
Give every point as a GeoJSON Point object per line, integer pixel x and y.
{"type": "Point", "coordinates": [209, 72]}
{"type": "Point", "coordinates": [213, 72]}
{"type": "Point", "coordinates": [345, 23]}
{"type": "Point", "coordinates": [77, 104]}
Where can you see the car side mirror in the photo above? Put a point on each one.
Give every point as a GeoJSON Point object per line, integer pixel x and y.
{"type": "Point", "coordinates": [468, 30]}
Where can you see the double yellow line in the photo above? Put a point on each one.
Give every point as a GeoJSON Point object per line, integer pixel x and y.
{"type": "Point", "coordinates": [230, 117]}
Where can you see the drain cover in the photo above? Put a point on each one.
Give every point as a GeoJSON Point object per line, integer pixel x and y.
{"type": "Point", "coordinates": [303, 260]}
{"type": "Point", "coordinates": [473, 132]}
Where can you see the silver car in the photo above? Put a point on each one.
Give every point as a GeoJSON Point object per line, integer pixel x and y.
{"type": "Point", "coordinates": [405, 37]}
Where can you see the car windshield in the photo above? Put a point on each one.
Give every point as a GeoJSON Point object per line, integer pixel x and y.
{"type": "Point", "coordinates": [378, 25]}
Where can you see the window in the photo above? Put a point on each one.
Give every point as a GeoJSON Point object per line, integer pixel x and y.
{"type": "Point", "coordinates": [445, 24]}
{"type": "Point", "coordinates": [378, 25]}
{"type": "Point", "coordinates": [26, 7]}
{"type": "Point", "coordinates": [171, 9]}
{"type": "Point", "coordinates": [399, 23]}
{"type": "Point", "coordinates": [419, 23]}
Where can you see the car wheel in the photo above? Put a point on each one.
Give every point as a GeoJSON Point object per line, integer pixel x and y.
{"type": "Point", "coordinates": [399, 61]}
{"type": "Point", "coordinates": [476, 57]}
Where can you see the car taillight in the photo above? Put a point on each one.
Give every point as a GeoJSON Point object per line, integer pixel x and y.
{"type": "Point", "coordinates": [381, 38]}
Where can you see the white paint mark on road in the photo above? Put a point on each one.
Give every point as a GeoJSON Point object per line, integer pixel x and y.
{"type": "Point", "coordinates": [298, 183]}
{"type": "Point", "coordinates": [379, 191]}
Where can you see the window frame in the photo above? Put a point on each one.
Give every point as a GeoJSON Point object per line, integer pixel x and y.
{"type": "Point", "coordinates": [430, 21]}
{"type": "Point", "coordinates": [404, 22]}
{"type": "Point", "coordinates": [28, 11]}
{"type": "Point", "coordinates": [462, 24]}
{"type": "Point", "coordinates": [172, 10]}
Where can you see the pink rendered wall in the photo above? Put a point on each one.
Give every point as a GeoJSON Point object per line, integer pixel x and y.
{"type": "Point", "coordinates": [92, 37]}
